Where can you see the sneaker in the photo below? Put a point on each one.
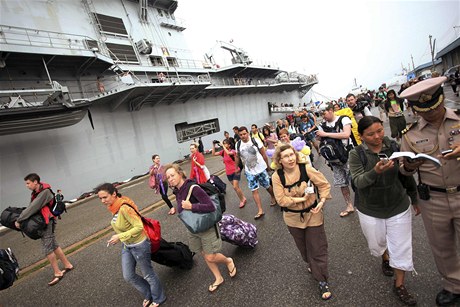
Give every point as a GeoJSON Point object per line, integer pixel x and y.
{"type": "Point", "coordinates": [404, 296]}
{"type": "Point", "coordinates": [386, 268]}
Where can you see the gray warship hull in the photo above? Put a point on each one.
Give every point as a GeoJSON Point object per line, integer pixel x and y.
{"type": "Point", "coordinates": [113, 78]}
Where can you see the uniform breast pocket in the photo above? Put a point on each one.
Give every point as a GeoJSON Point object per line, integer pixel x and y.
{"type": "Point", "coordinates": [425, 147]}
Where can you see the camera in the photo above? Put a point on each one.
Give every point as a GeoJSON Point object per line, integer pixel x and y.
{"type": "Point", "coordinates": [215, 142]}
{"type": "Point", "coordinates": [360, 105]}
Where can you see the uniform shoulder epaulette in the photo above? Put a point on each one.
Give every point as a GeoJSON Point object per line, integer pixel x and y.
{"type": "Point", "coordinates": [410, 126]}
{"type": "Point", "coordinates": [457, 111]}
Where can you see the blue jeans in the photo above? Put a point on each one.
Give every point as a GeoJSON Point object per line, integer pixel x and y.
{"type": "Point", "coordinates": [149, 285]}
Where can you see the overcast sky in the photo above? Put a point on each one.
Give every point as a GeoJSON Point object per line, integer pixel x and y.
{"type": "Point", "coordinates": [338, 40]}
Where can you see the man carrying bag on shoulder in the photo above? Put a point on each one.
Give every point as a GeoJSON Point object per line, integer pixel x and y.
{"type": "Point", "coordinates": [40, 198]}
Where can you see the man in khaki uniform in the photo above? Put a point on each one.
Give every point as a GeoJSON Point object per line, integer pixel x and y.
{"type": "Point", "coordinates": [438, 130]}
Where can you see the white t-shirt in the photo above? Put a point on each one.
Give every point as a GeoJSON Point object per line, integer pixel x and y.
{"type": "Point", "coordinates": [253, 161]}
{"type": "Point", "coordinates": [345, 121]}
{"type": "Point", "coordinates": [359, 115]}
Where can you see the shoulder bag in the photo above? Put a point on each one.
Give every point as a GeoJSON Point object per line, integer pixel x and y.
{"type": "Point", "coordinates": [199, 222]}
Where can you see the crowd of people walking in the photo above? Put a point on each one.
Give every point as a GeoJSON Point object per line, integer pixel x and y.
{"type": "Point", "coordinates": [279, 158]}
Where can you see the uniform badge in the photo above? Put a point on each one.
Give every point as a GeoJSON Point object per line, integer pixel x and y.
{"type": "Point", "coordinates": [421, 141]}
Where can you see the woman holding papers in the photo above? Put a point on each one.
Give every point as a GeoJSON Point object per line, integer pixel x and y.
{"type": "Point", "coordinates": [383, 204]}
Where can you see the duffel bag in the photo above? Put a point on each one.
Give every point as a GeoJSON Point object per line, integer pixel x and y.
{"type": "Point", "coordinates": [238, 232]}
{"type": "Point", "coordinates": [34, 227]}
{"type": "Point", "coordinates": [174, 254]}
{"type": "Point", "coordinates": [9, 216]}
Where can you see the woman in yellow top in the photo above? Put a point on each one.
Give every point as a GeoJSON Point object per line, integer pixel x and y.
{"type": "Point", "coordinates": [301, 212]}
{"type": "Point", "coordinates": [135, 245]}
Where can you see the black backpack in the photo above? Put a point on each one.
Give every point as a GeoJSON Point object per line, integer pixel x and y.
{"type": "Point", "coordinates": [303, 178]}
{"type": "Point", "coordinates": [58, 207]}
{"type": "Point", "coordinates": [408, 182]}
{"type": "Point", "coordinates": [9, 268]}
{"type": "Point", "coordinates": [218, 183]}
{"type": "Point", "coordinates": [174, 254]}
{"type": "Point", "coordinates": [211, 190]}
{"type": "Point", "coordinates": [333, 150]}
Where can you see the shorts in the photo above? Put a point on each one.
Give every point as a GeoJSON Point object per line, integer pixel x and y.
{"type": "Point", "coordinates": [234, 176]}
{"type": "Point", "coordinates": [49, 243]}
{"type": "Point", "coordinates": [341, 175]}
{"type": "Point", "coordinates": [397, 124]}
{"type": "Point", "coordinates": [259, 179]}
{"type": "Point", "coordinates": [207, 241]}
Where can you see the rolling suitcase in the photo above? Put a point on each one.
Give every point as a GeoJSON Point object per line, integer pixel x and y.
{"type": "Point", "coordinates": [238, 232]}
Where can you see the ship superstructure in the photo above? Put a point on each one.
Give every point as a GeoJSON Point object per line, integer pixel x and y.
{"type": "Point", "coordinates": [90, 89]}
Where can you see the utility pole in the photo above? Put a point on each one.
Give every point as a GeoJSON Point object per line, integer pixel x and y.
{"type": "Point", "coordinates": [412, 58]}
{"type": "Point", "coordinates": [432, 46]}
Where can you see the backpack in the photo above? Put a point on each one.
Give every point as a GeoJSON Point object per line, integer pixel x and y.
{"type": "Point", "coordinates": [303, 178]}
{"type": "Point", "coordinates": [333, 150]}
{"type": "Point", "coordinates": [33, 227]}
{"type": "Point", "coordinates": [9, 268]}
{"type": "Point", "coordinates": [408, 182]}
{"type": "Point", "coordinates": [238, 232]}
{"type": "Point", "coordinates": [58, 207]}
{"type": "Point", "coordinates": [174, 254]}
{"type": "Point", "coordinates": [214, 193]}
{"type": "Point", "coordinates": [219, 184]}
{"type": "Point", "coordinates": [152, 229]}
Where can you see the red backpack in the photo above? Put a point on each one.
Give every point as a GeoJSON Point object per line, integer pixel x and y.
{"type": "Point", "coordinates": [152, 229]}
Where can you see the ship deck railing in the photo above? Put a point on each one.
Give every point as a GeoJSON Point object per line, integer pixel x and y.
{"type": "Point", "coordinates": [276, 109]}
{"type": "Point", "coordinates": [41, 38]}
{"type": "Point", "coordinates": [112, 84]}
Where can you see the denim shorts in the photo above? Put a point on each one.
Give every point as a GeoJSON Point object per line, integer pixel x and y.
{"type": "Point", "coordinates": [234, 176]}
{"type": "Point", "coordinates": [261, 179]}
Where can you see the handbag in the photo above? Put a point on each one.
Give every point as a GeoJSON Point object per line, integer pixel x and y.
{"type": "Point", "coordinates": [207, 174]}
{"type": "Point", "coordinates": [199, 222]}
{"type": "Point", "coordinates": [153, 230]}
{"type": "Point", "coordinates": [152, 182]}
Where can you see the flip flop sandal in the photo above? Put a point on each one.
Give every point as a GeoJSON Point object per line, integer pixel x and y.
{"type": "Point", "coordinates": [213, 288]}
{"type": "Point", "coordinates": [146, 303]}
{"type": "Point", "coordinates": [232, 272]}
{"type": "Point", "coordinates": [259, 215]}
{"type": "Point", "coordinates": [66, 270]}
{"type": "Point", "coordinates": [346, 213]}
{"type": "Point", "coordinates": [55, 280]}
{"type": "Point", "coordinates": [243, 203]}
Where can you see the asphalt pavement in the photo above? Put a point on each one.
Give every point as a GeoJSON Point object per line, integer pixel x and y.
{"type": "Point", "coordinates": [272, 274]}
